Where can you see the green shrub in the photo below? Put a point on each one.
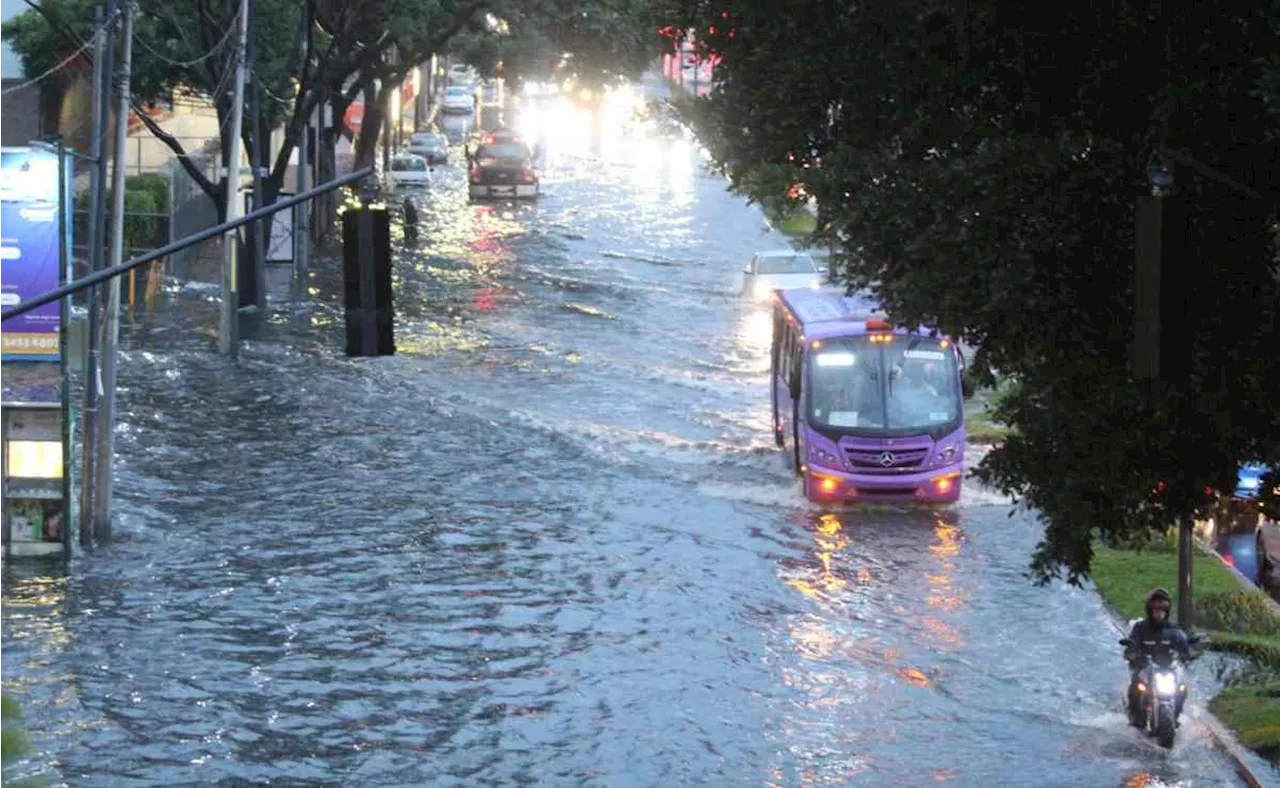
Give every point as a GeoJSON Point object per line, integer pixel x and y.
{"type": "Point", "coordinates": [13, 741]}
{"type": "Point", "coordinates": [1241, 612]}
{"type": "Point", "coordinates": [143, 194]}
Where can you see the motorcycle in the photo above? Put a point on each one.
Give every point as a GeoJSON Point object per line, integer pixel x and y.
{"type": "Point", "coordinates": [1163, 688]}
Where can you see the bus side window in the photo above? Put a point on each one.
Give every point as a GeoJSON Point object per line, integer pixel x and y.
{"type": "Point", "coordinates": [788, 344]}
{"type": "Point", "coordinates": [796, 367]}
{"type": "Point", "coordinates": [779, 327]}
{"type": "Point", "coordinates": [783, 344]}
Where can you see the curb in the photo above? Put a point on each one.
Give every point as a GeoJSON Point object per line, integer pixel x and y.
{"type": "Point", "coordinates": [1221, 735]}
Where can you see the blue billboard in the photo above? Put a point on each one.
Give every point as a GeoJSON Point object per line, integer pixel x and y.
{"type": "Point", "coordinates": [30, 222]}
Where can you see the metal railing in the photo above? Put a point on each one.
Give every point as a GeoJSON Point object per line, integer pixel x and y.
{"type": "Point", "coordinates": [107, 274]}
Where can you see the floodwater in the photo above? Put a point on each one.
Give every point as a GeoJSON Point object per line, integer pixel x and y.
{"type": "Point", "coordinates": [549, 541]}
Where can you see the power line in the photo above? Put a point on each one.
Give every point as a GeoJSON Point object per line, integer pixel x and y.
{"type": "Point", "coordinates": [188, 63]}
{"type": "Point", "coordinates": [83, 46]}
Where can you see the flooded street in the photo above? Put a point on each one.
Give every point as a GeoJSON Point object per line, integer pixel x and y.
{"type": "Point", "coordinates": [549, 541]}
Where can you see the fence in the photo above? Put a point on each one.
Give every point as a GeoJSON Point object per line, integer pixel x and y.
{"type": "Point", "coordinates": [191, 210]}
{"type": "Point", "coordinates": [147, 223]}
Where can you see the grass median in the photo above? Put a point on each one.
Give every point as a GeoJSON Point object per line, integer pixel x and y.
{"type": "Point", "coordinates": [1239, 621]}
{"type": "Point", "coordinates": [980, 423]}
{"type": "Point", "coordinates": [13, 743]}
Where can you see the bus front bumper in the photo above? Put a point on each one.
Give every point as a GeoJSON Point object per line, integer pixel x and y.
{"type": "Point", "coordinates": [941, 485]}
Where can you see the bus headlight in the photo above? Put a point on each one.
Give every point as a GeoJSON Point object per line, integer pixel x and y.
{"type": "Point", "coordinates": [948, 455]}
{"type": "Point", "coordinates": [823, 457]}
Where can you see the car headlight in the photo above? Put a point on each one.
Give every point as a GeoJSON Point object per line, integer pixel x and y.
{"type": "Point", "coordinates": [1166, 684]}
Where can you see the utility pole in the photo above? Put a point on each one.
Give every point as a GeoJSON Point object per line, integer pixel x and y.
{"type": "Point", "coordinates": [302, 213]}
{"type": "Point", "coordinates": [260, 230]}
{"type": "Point", "coordinates": [111, 324]}
{"type": "Point", "coordinates": [1186, 608]}
{"type": "Point", "coordinates": [386, 127]}
{"type": "Point", "coordinates": [417, 100]}
{"type": "Point", "coordinates": [1163, 326]}
{"type": "Point", "coordinates": [229, 337]}
{"type": "Point", "coordinates": [301, 220]}
{"type": "Point", "coordinates": [89, 415]}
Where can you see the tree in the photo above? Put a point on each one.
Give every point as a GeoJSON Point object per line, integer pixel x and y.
{"type": "Point", "coordinates": [980, 161]}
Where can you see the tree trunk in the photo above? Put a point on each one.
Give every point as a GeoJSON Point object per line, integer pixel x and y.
{"type": "Point", "coordinates": [371, 125]}
{"type": "Point", "coordinates": [327, 139]}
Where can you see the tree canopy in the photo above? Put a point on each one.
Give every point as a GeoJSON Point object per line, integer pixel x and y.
{"type": "Point", "coordinates": [350, 48]}
{"type": "Point", "coordinates": [978, 164]}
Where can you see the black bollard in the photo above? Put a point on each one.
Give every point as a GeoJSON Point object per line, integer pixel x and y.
{"type": "Point", "coordinates": [366, 273]}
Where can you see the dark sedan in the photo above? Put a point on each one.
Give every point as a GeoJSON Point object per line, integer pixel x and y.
{"type": "Point", "coordinates": [503, 169]}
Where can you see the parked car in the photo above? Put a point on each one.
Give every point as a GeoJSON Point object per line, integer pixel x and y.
{"type": "Point", "coordinates": [1242, 519]}
{"type": "Point", "coordinates": [503, 169]}
{"type": "Point", "coordinates": [459, 99]}
{"type": "Point", "coordinates": [408, 169]}
{"type": "Point", "coordinates": [462, 74]}
{"type": "Point", "coordinates": [781, 269]}
{"type": "Point", "coordinates": [433, 147]}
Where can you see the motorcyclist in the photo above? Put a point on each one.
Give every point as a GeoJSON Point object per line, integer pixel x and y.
{"type": "Point", "coordinates": [1150, 634]}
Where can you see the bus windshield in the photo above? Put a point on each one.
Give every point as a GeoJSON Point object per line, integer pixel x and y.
{"type": "Point", "coordinates": [907, 384]}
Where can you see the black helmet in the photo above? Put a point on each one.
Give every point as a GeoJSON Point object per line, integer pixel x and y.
{"type": "Point", "coordinates": [1158, 595]}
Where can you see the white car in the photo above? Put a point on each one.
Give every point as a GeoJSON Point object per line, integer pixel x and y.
{"type": "Point", "coordinates": [459, 99]}
{"type": "Point", "coordinates": [435, 147]}
{"type": "Point", "coordinates": [408, 169]}
{"type": "Point", "coordinates": [462, 74]}
{"type": "Point", "coordinates": [782, 269]}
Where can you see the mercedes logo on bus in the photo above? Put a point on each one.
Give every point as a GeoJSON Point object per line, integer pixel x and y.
{"type": "Point", "coordinates": [887, 459]}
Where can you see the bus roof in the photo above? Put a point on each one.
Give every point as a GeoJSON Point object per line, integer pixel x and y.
{"type": "Point", "coordinates": [827, 305]}
{"type": "Point", "coordinates": [828, 312]}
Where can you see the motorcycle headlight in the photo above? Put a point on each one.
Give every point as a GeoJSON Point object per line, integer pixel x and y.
{"type": "Point", "coordinates": [1166, 684]}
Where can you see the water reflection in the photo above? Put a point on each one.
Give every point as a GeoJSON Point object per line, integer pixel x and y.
{"type": "Point", "coordinates": [822, 584]}
{"type": "Point", "coordinates": [944, 595]}
{"type": "Point", "coordinates": [35, 594]}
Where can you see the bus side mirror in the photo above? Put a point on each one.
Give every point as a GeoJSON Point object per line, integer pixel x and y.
{"type": "Point", "coordinates": [795, 380]}
{"type": "Point", "coordinates": [966, 386]}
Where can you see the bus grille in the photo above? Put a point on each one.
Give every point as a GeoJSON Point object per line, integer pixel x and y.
{"type": "Point", "coordinates": [902, 459]}
{"type": "Point", "coordinates": [896, 492]}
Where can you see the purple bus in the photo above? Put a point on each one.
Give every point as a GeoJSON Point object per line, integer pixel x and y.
{"type": "Point", "coordinates": [867, 412]}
